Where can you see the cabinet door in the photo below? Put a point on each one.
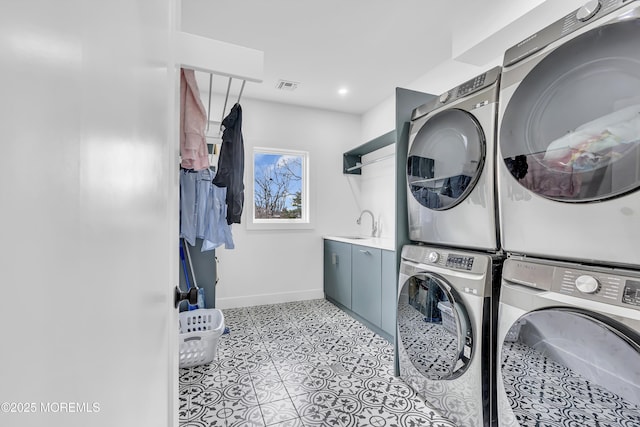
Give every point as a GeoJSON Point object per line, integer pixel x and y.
{"type": "Point", "coordinates": [366, 283]}
{"type": "Point", "coordinates": [389, 286]}
{"type": "Point", "coordinates": [337, 272]}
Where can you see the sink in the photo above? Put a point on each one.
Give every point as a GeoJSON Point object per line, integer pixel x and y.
{"type": "Point", "coordinates": [353, 237]}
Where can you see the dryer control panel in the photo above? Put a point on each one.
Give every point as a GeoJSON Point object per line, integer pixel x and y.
{"type": "Point", "coordinates": [575, 20]}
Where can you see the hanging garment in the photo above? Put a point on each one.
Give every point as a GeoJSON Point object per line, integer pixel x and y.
{"type": "Point", "coordinates": [193, 121]}
{"type": "Point", "coordinates": [203, 211]}
{"type": "Point", "coordinates": [231, 164]}
{"type": "Point", "coordinates": [188, 206]}
{"type": "Point", "coordinates": [217, 231]}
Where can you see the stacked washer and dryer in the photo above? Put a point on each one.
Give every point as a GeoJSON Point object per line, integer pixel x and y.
{"type": "Point", "coordinates": [449, 278]}
{"type": "Point", "coordinates": [569, 201]}
{"type": "Point", "coordinates": [563, 348]}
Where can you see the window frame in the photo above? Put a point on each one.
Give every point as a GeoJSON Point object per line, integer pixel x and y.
{"type": "Point", "coordinates": [304, 222]}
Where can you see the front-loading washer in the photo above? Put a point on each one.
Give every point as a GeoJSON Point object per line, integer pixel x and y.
{"type": "Point", "coordinates": [450, 167]}
{"type": "Point", "coordinates": [568, 345]}
{"type": "Point", "coordinates": [569, 138]}
{"type": "Point", "coordinates": [447, 311]}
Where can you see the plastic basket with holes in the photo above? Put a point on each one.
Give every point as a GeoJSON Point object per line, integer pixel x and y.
{"type": "Point", "coordinates": [200, 331]}
{"type": "Point", "coordinates": [513, 334]}
{"type": "Point", "coordinates": [448, 321]}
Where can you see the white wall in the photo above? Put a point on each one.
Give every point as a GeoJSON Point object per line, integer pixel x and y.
{"type": "Point", "coordinates": [271, 266]}
{"type": "Point", "coordinates": [88, 182]}
{"type": "Point", "coordinates": [375, 190]}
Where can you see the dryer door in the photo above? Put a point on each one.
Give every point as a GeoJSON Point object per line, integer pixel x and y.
{"type": "Point", "coordinates": [564, 367]}
{"type": "Point", "coordinates": [433, 327]}
{"type": "Point", "coordinates": [571, 130]}
{"type": "Point", "coordinates": [445, 160]}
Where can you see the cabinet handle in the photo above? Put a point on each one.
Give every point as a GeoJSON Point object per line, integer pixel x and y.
{"type": "Point", "coordinates": [334, 259]}
{"type": "Point", "coordinates": [365, 252]}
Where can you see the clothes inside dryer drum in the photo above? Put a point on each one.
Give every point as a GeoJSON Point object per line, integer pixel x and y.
{"type": "Point", "coordinates": [571, 130]}
{"type": "Point", "coordinates": [584, 373]}
{"type": "Point", "coordinates": [445, 159]}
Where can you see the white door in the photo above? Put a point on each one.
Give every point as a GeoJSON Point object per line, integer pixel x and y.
{"type": "Point", "coordinates": [88, 209]}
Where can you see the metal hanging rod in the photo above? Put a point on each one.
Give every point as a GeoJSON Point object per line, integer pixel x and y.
{"type": "Point", "coordinates": [209, 109]}
{"type": "Point", "coordinates": [226, 99]}
{"type": "Point", "coordinates": [352, 168]}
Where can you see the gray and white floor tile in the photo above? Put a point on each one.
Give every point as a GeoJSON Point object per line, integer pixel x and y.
{"type": "Point", "coordinates": [300, 364]}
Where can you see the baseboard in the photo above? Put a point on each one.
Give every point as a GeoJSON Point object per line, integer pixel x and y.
{"type": "Point", "coordinates": [252, 300]}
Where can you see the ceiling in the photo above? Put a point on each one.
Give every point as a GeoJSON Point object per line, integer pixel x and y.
{"type": "Point", "coordinates": [369, 47]}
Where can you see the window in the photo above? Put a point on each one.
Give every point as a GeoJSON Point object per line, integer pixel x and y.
{"type": "Point", "coordinates": [280, 189]}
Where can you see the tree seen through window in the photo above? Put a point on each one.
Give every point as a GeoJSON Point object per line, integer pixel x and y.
{"type": "Point", "coordinates": [278, 186]}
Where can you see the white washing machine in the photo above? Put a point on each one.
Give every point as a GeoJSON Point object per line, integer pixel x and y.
{"type": "Point", "coordinates": [450, 167]}
{"type": "Point", "coordinates": [569, 138]}
{"type": "Point", "coordinates": [447, 310]}
{"type": "Point", "coordinates": [568, 345]}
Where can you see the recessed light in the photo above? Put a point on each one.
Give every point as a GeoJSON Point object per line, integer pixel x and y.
{"type": "Point", "coordinates": [343, 91]}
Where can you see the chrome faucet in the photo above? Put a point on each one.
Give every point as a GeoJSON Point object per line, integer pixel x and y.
{"type": "Point", "coordinates": [374, 224]}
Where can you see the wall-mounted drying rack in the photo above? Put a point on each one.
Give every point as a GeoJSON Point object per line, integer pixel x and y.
{"type": "Point", "coordinates": [223, 59]}
{"type": "Point", "coordinates": [352, 159]}
{"type": "Point", "coordinates": [226, 100]}
{"type": "Point", "coordinates": [361, 165]}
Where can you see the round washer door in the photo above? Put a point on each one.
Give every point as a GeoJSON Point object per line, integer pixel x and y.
{"type": "Point", "coordinates": [445, 159]}
{"type": "Point", "coordinates": [433, 327]}
{"type": "Point", "coordinates": [584, 373]}
{"type": "Point", "coordinates": [571, 130]}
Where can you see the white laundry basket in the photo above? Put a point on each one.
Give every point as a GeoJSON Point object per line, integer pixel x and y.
{"type": "Point", "coordinates": [200, 331]}
{"type": "Point", "coordinates": [448, 321]}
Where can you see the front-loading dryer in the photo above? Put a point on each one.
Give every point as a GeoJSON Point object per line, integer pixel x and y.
{"type": "Point", "coordinates": [569, 138]}
{"type": "Point", "coordinates": [568, 345]}
{"type": "Point", "coordinates": [450, 167]}
{"type": "Point", "coordinates": [447, 311]}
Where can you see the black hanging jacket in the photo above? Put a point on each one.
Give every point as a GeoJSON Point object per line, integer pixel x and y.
{"type": "Point", "coordinates": [231, 164]}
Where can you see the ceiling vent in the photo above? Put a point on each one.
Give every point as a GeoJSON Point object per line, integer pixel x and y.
{"type": "Point", "coordinates": [286, 85]}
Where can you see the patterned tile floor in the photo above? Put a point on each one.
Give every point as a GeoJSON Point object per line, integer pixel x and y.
{"type": "Point", "coordinates": [542, 392]}
{"type": "Point", "coordinates": [299, 364]}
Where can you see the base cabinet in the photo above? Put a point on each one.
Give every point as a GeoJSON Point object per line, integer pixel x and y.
{"type": "Point", "coordinates": [366, 283]}
{"type": "Point", "coordinates": [362, 280]}
{"type": "Point", "coordinates": [337, 272]}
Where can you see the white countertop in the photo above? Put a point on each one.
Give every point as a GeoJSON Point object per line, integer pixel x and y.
{"type": "Point", "coordinates": [372, 242]}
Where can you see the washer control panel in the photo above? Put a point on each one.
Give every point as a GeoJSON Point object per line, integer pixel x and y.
{"type": "Point", "coordinates": [444, 258]}
{"type": "Point", "coordinates": [610, 286]}
{"type": "Point", "coordinates": [460, 262]}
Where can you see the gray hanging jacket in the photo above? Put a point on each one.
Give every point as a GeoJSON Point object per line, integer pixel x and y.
{"type": "Point", "coordinates": [231, 164]}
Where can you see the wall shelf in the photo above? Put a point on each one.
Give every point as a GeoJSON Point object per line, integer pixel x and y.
{"type": "Point", "coordinates": [352, 159]}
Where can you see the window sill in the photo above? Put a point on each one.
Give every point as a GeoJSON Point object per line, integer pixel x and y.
{"type": "Point", "coordinates": [279, 225]}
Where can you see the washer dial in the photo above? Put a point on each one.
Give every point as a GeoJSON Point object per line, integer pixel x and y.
{"type": "Point", "coordinates": [587, 11]}
{"type": "Point", "coordinates": [587, 284]}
